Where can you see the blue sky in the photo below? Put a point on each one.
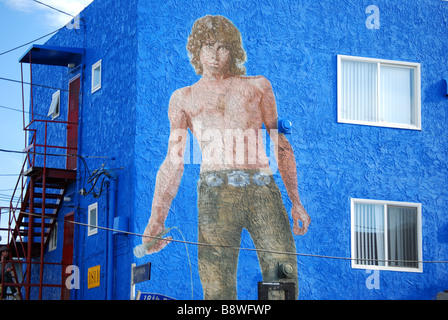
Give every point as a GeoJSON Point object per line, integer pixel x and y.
{"type": "Point", "coordinates": [21, 21]}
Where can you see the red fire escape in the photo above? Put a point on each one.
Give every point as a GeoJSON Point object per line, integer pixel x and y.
{"type": "Point", "coordinates": [41, 186]}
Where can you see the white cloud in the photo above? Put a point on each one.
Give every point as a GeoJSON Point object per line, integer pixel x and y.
{"type": "Point", "coordinates": [50, 17]}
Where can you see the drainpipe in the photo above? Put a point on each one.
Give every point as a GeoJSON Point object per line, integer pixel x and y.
{"type": "Point", "coordinates": [110, 235]}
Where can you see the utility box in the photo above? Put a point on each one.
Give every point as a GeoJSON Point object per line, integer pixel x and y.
{"type": "Point", "coordinates": [276, 290]}
{"type": "Point", "coordinates": [442, 295]}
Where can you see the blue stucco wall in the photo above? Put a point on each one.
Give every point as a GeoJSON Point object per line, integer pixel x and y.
{"type": "Point", "coordinates": [295, 45]}
{"type": "Point", "coordinates": [108, 129]}
{"type": "Point", "coordinates": [106, 136]}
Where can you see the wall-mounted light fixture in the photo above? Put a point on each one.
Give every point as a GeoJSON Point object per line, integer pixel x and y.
{"type": "Point", "coordinates": [284, 126]}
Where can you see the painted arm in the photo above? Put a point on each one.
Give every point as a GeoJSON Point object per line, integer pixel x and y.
{"type": "Point", "coordinates": [169, 174]}
{"type": "Point", "coordinates": [285, 158]}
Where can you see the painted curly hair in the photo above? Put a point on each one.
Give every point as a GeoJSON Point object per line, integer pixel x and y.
{"type": "Point", "coordinates": [214, 28]}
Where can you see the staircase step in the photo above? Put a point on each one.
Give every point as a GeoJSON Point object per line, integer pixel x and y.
{"type": "Point", "coordinates": [52, 175]}
{"type": "Point", "coordinates": [24, 233]}
{"type": "Point", "coordinates": [37, 217]}
{"type": "Point", "coordinates": [38, 205]}
{"type": "Point", "coordinates": [35, 249]}
{"type": "Point", "coordinates": [48, 195]}
{"type": "Point", "coordinates": [35, 224]}
{"type": "Point", "coordinates": [50, 185]}
{"type": "Point", "coordinates": [54, 181]}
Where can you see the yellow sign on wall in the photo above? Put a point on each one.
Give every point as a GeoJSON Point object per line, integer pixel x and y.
{"type": "Point", "coordinates": [93, 277]}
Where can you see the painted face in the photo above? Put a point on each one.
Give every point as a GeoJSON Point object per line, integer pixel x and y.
{"type": "Point", "coordinates": [215, 57]}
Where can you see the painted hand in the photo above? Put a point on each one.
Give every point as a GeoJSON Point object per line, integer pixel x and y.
{"type": "Point", "coordinates": [153, 230]}
{"type": "Point", "coordinates": [299, 214]}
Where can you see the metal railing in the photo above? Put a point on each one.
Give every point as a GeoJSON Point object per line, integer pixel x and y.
{"type": "Point", "coordinates": [37, 154]}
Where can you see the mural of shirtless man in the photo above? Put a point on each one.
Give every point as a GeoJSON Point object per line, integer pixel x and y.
{"type": "Point", "coordinates": [225, 111]}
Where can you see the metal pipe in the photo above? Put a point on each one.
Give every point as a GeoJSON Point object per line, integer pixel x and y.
{"type": "Point", "coordinates": [31, 87]}
{"type": "Point", "coordinates": [110, 237]}
{"type": "Point", "coordinates": [23, 99]}
{"type": "Point", "coordinates": [30, 241]}
{"type": "Point", "coordinates": [42, 229]}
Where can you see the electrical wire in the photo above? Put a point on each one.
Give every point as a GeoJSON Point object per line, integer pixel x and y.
{"type": "Point", "coordinates": [32, 41]}
{"type": "Point", "coordinates": [93, 177]}
{"type": "Point", "coordinates": [54, 154]}
{"type": "Point", "coordinates": [96, 175]}
{"type": "Point", "coordinates": [189, 262]}
{"type": "Point", "coordinates": [229, 246]}
{"type": "Point", "coordinates": [44, 4]}
{"type": "Point", "coordinates": [38, 85]}
{"type": "Point", "coordinates": [48, 34]}
{"type": "Point", "coordinates": [21, 111]}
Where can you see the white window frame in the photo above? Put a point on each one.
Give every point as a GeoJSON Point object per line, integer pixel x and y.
{"type": "Point", "coordinates": [92, 228]}
{"type": "Point", "coordinates": [386, 203]}
{"type": "Point", "coordinates": [55, 106]}
{"type": "Point", "coordinates": [53, 241]}
{"type": "Point", "coordinates": [97, 65]}
{"type": "Point", "coordinates": [417, 90]}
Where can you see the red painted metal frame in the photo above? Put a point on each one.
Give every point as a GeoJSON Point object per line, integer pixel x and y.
{"type": "Point", "coordinates": [17, 209]}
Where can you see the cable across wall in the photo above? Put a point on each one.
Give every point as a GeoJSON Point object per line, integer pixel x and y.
{"type": "Point", "coordinates": [228, 246]}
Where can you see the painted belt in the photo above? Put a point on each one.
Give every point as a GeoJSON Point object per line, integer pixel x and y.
{"type": "Point", "coordinates": [238, 179]}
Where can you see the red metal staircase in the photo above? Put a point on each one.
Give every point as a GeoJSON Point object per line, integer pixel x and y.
{"type": "Point", "coordinates": [43, 197]}
{"type": "Point", "coordinates": [49, 168]}
{"type": "Point", "coordinates": [32, 221]}
{"type": "Point", "coordinates": [33, 217]}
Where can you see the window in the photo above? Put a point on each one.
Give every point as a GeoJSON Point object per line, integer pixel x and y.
{"type": "Point", "coordinates": [53, 242]}
{"type": "Point", "coordinates": [96, 76]}
{"type": "Point", "coordinates": [379, 92]}
{"type": "Point", "coordinates": [92, 219]}
{"type": "Point", "coordinates": [55, 108]}
{"type": "Point", "coordinates": [386, 235]}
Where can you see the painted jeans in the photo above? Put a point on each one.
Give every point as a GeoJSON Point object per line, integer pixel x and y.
{"type": "Point", "coordinates": [229, 201]}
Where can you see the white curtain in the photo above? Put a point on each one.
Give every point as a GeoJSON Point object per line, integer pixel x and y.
{"type": "Point", "coordinates": [369, 234]}
{"type": "Point", "coordinates": [358, 92]}
{"type": "Point", "coordinates": [402, 236]}
{"type": "Point", "coordinates": [370, 241]}
{"type": "Point", "coordinates": [397, 95]}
